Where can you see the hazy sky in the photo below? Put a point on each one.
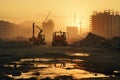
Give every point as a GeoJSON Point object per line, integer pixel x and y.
{"type": "Point", "coordinates": [62, 11]}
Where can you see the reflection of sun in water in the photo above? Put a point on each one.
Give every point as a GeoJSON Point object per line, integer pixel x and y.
{"type": "Point", "coordinates": [78, 54]}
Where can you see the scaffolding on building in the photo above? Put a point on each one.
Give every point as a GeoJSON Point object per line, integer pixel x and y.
{"type": "Point", "coordinates": [106, 23]}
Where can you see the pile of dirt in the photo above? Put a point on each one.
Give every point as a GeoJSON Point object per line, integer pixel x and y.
{"type": "Point", "coordinates": [91, 40]}
{"type": "Point", "coordinates": [115, 42]}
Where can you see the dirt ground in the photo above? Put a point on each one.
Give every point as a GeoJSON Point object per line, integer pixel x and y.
{"type": "Point", "coordinates": [105, 61]}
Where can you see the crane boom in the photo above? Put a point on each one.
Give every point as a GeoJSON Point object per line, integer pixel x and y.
{"type": "Point", "coordinates": [47, 16]}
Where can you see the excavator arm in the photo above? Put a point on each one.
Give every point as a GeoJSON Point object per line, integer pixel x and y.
{"type": "Point", "coordinates": [39, 29]}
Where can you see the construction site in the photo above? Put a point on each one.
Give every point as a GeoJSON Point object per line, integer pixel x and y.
{"type": "Point", "coordinates": [49, 54]}
{"type": "Point", "coordinates": [106, 24]}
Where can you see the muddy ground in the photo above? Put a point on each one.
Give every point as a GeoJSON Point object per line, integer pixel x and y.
{"type": "Point", "coordinates": [100, 60]}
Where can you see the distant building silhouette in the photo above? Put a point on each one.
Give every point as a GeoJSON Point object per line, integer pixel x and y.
{"type": "Point", "coordinates": [72, 33]}
{"type": "Point", "coordinates": [48, 28]}
{"type": "Point", "coordinates": [106, 24]}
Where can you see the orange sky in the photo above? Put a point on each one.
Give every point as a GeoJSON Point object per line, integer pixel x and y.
{"type": "Point", "coordinates": [62, 11]}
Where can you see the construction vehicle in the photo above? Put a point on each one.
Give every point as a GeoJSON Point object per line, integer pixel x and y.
{"type": "Point", "coordinates": [40, 39]}
{"type": "Point", "coordinates": [59, 38]}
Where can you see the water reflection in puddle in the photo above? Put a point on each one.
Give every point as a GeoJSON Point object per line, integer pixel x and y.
{"type": "Point", "coordinates": [78, 54]}
{"type": "Point", "coordinates": [36, 59]}
{"type": "Point", "coordinates": [48, 67]}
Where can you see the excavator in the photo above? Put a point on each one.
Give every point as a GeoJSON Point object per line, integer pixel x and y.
{"type": "Point", "coordinates": [40, 39]}
{"type": "Point", "coordinates": [59, 38]}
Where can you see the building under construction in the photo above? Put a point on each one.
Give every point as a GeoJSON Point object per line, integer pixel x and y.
{"type": "Point", "coordinates": [106, 24]}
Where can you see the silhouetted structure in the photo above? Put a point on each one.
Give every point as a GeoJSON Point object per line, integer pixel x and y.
{"type": "Point", "coordinates": [72, 33]}
{"type": "Point", "coordinates": [59, 38]}
{"type": "Point", "coordinates": [7, 29]}
{"type": "Point", "coordinates": [48, 28]}
{"type": "Point", "coordinates": [40, 39]}
{"type": "Point", "coordinates": [91, 39]}
{"type": "Point", "coordinates": [106, 24]}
